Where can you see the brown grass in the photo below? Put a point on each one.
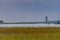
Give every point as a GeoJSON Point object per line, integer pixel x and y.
{"type": "Point", "coordinates": [30, 30]}
{"type": "Point", "coordinates": [48, 33]}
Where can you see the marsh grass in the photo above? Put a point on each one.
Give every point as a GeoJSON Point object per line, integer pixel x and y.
{"type": "Point", "coordinates": [29, 33]}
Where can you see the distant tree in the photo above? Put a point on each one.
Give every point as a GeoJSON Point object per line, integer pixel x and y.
{"type": "Point", "coordinates": [1, 21]}
{"type": "Point", "coordinates": [58, 22]}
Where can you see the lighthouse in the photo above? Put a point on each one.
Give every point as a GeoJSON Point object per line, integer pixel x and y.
{"type": "Point", "coordinates": [46, 19]}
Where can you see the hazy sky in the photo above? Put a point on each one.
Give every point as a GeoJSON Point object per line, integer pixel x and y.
{"type": "Point", "coordinates": [29, 10]}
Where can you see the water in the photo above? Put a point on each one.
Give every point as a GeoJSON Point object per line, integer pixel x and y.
{"type": "Point", "coordinates": [29, 25]}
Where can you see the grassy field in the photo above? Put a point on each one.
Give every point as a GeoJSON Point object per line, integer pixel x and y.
{"type": "Point", "coordinates": [30, 33]}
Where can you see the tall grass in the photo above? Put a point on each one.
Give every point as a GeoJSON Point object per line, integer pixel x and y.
{"type": "Point", "coordinates": [30, 33]}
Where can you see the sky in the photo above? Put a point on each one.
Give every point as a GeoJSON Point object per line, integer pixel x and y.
{"type": "Point", "coordinates": [29, 10]}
